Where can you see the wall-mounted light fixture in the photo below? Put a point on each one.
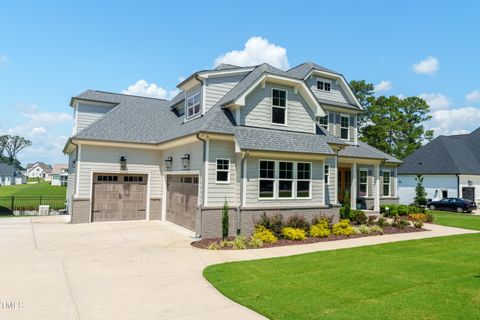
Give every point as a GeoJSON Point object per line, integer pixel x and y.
{"type": "Point", "coordinates": [168, 163]}
{"type": "Point", "coordinates": [186, 161]}
{"type": "Point", "coordinates": [123, 163]}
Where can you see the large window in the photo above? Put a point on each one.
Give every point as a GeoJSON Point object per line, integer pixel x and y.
{"type": "Point", "coordinates": [304, 177]}
{"type": "Point", "coordinates": [323, 121]}
{"type": "Point", "coordinates": [193, 105]}
{"type": "Point", "coordinates": [344, 127]}
{"type": "Point", "coordinates": [279, 106]}
{"type": "Point", "coordinates": [363, 183]}
{"type": "Point", "coordinates": [267, 179]}
{"type": "Point", "coordinates": [285, 182]}
{"type": "Point", "coordinates": [386, 183]}
{"type": "Point", "coordinates": [327, 174]}
{"type": "Point", "coordinates": [223, 171]}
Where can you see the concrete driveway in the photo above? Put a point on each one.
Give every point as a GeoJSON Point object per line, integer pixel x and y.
{"type": "Point", "coordinates": [126, 270]}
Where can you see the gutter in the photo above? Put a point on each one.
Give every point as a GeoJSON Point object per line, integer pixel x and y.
{"type": "Point", "coordinates": [458, 185]}
{"type": "Point", "coordinates": [199, 209]}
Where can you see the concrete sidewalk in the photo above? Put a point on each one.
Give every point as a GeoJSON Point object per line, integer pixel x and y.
{"type": "Point", "coordinates": [127, 270]}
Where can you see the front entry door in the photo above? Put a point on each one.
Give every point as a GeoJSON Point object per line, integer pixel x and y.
{"type": "Point", "coordinates": [344, 182]}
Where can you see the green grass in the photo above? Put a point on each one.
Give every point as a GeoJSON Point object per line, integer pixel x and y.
{"type": "Point", "coordinates": [436, 278]}
{"type": "Point", "coordinates": [453, 219]}
{"type": "Point", "coordinates": [37, 189]}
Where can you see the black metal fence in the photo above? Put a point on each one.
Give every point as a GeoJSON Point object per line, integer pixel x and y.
{"type": "Point", "coordinates": [19, 204]}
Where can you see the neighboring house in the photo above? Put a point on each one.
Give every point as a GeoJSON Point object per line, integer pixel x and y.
{"type": "Point", "coordinates": [262, 139]}
{"type": "Point", "coordinates": [9, 176]}
{"type": "Point", "coordinates": [59, 175]}
{"type": "Point", "coordinates": [39, 170]}
{"type": "Point", "coordinates": [450, 166]}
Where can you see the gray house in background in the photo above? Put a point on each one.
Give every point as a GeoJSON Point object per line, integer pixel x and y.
{"type": "Point", "coordinates": [9, 176]}
{"type": "Point", "coordinates": [263, 139]}
{"type": "Point", "coordinates": [450, 166]}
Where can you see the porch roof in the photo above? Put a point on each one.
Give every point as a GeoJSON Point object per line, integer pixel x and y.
{"type": "Point", "coordinates": [260, 139]}
{"type": "Point", "coordinates": [363, 150]}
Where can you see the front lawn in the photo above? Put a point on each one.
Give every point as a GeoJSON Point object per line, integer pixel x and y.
{"type": "Point", "coordinates": [453, 219]}
{"type": "Point", "coordinates": [36, 189]}
{"type": "Point", "coordinates": [436, 278]}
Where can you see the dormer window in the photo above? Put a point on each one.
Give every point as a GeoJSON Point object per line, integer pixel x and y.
{"type": "Point", "coordinates": [323, 121]}
{"type": "Point", "coordinates": [193, 105]}
{"type": "Point", "coordinates": [324, 85]}
{"type": "Point", "coordinates": [279, 106]}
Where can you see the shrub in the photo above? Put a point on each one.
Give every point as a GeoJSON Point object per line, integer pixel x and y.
{"type": "Point", "coordinates": [343, 228]}
{"type": "Point", "coordinates": [273, 223]}
{"type": "Point", "coordinates": [400, 223]}
{"type": "Point", "coordinates": [356, 230]}
{"type": "Point", "coordinates": [371, 220]}
{"type": "Point", "coordinates": [225, 220]}
{"type": "Point", "coordinates": [321, 217]}
{"type": "Point", "coordinates": [320, 229]}
{"type": "Point", "coordinates": [297, 222]}
{"type": "Point", "coordinates": [420, 193]}
{"type": "Point", "coordinates": [418, 224]}
{"type": "Point", "coordinates": [255, 242]}
{"type": "Point", "coordinates": [294, 233]}
{"type": "Point", "coordinates": [360, 217]}
{"type": "Point", "coordinates": [382, 222]}
{"type": "Point", "coordinates": [264, 235]}
{"type": "Point", "coordinates": [421, 217]}
{"type": "Point", "coordinates": [239, 242]}
{"type": "Point", "coordinates": [364, 229]}
{"type": "Point", "coordinates": [376, 229]}
{"type": "Point", "coordinates": [430, 217]}
{"type": "Point", "coordinates": [403, 209]}
{"type": "Point", "coordinates": [213, 246]}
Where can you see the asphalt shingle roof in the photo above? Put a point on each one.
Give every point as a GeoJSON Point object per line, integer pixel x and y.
{"type": "Point", "coordinates": [363, 150]}
{"type": "Point", "coordinates": [303, 69]}
{"type": "Point", "coordinates": [458, 154]}
{"type": "Point", "coordinates": [6, 169]}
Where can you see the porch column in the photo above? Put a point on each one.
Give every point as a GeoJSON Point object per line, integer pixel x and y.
{"type": "Point", "coordinates": [353, 188]}
{"type": "Point", "coordinates": [376, 188]}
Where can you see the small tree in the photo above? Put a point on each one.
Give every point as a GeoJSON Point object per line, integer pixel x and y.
{"type": "Point", "coordinates": [225, 220]}
{"type": "Point", "coordinates": [420, 193]}
{"type": "Point", "coordinates": [346, 205]}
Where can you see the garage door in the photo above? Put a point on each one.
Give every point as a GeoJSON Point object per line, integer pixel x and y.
{"type": "Point", "coordinates": [468, 193]}
{"type": "Point", "coordinates": [118, 197]}
{"type": "Point", "coordinates": [182, 200]}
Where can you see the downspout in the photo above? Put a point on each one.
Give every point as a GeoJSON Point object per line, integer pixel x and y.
{"type": "Point", "coordinates": [458, 185]}
{"type": "Point", "coordinates": [200, 207]}
{"type": "Point", "coordinates": [242, 176]}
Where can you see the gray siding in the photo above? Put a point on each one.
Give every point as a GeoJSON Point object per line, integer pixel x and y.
{"type": "Point", "coordinates": [257, 111]}
{"type": "Point", "coordinates": [252, 185]}
{"type": "Point", "coordinates": [88, 113]}
{"type": "Point", "coordinates": [71, 183]}
{"type": "Point", "coordinates": [217, 87]}
{"type": "Point", "coordinates": [334, 124]}
{"type": "Point", "coordinates": [336, 93]}
{"type": "Point", "coordinates": [219, 192]}
{"type": "Point", "coordinates": [106, 159]}
{"type": "Point", "coordinates": [330, 188]}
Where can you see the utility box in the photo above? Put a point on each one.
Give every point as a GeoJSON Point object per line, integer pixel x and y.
{"type": "Point", "coordinates": [43, 210]}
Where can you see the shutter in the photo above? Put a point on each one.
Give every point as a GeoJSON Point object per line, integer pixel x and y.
{"type": "Point", "coordinates": [352, 121]}
{"type": "Point", "coordinates": [331, 117]}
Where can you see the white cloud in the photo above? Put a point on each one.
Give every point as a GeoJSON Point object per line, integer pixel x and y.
{"type": "Point", "coordinates": [43, 118]}
{"type": "Point", "coordinates": [145, 89]}
{"type": "Point", "coordinates": [473, 96]}
{"type": "Point", "coordinates": [436, 101]}
{"type": "Point", "coordinates": [454, 121]}
{"type": "Point", "coordinates": [383, 86]}
{"type": "Point", "coordinates": [3, 60]}
{"type": "Point", "coordinates": [257, 51]}
{"type": "Point", "coordinates": [429, 66]}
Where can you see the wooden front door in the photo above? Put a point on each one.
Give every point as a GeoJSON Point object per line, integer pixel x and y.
{"type": "Point", "coordinates": [119, 197]}
{"type": "Point", "coordinates": [182, 200]}
{"type": "Point", "coordinates": [344, 182]}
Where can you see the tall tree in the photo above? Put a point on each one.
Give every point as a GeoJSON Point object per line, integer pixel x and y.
{"type": "Point", "coordinates": [14, 145]}
{"type": "Point", "coordinates": [3, 144]}
{"type": "Point", "coordinates": [392, 124]}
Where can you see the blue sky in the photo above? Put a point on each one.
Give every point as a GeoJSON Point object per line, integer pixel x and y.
{"type": "Point", "coordinates": [50, 51]}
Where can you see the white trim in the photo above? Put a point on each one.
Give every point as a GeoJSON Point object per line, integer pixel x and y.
{"type": "Point", "coordinates": [366, 183]}
{"type": "Point", "coordinates": [204, 98]}
{"type": "Point", "coordinates": [279, 107]}
{"type": "Point", "coordinates": [244, 182]}
{"type": "Point", "coordinates": [389, 183]}
{"type": "Point", "coordinates": [147, 214]}
{"type": "Point", "coordinates": [325, 186]}
{"type": "Point", "coordinates": [324, 82]}
{"type": "Point", "coordinates": [327, 115]}
{"type": "Point", "coordinates": [310, 191]}
{"type": "Point", "coordinates": [187, 117]}
{"type": "Point", "coordinates": [326, 165]}
{"type": "Point", "coordinates": [207, 161]}
{"type": "Point", "coordinates": [222, 170]}
{"type": "Point", "coordinates": [77, 171]}
{"type": "Point", "coordinates": [344, 115]}
{"type": "Point", "coordinates": [376, 194]}
{"type": "Point", "coordinates": [353, 187]}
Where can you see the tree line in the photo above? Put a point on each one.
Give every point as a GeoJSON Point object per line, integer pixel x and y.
{"type": "Point", "coordinates": [391, 124]}
{"type": "Point", "coordinates": [10, 146]}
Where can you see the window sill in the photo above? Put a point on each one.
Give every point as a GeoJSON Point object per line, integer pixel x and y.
{"type": "Point", "coordinates": [280, 124]}
{"type": "Point", "coordinates": [196, 116]}
{"type": "Point", "coordinates": [222, 182]}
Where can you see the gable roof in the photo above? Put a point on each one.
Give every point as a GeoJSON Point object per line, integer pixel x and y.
{"type": "Point", "coordinates": [6, 169]}
{"type": "Point", "coordinates": [45, 167]}
{"type": "Point", "coordinates": [302, 70]}
{"type": "Point", "coordinates": [59, 167]}
{"type": "Point", "coordinates": [457, 154]}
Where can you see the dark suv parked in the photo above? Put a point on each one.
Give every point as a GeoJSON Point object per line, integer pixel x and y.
{"type": "Point", "coordinates": [452, 204]}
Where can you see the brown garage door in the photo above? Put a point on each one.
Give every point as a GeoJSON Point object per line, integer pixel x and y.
{"type": "Point", "coordinates": [182, 200]}
{"type": "Point", "coordinates": [118, 197]}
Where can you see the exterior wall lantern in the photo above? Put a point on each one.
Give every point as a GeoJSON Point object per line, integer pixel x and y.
{"type": "Point", "coordinates": [186, 161]}
{"type": "Point", "coordinates": [168, 163]}
{"type": "Point", "coordinates": [123, 163]}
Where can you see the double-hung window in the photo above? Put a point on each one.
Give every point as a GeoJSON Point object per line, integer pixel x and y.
{"type": "Point", "coordinates": [285, 182]}
{"type": "Point", "coordinates": [193, 105]}
{"type": "Point", "coordinates": [304, 177]}
{"type": "Point", "coordinates": [344, 127]}
{"type": "Point", "coordinates": [267, 179]}
{"type": "Point", "coordinates": [327, 174]}
{"type": "Point", "coordinates": [386, 183]}
{"type": "Point", "coordinates": [223, 171]}
{"type": "Point", "coordinates": [279, 106]}
{"type": "Point", "coordinates": [323, 121]}
{"type": "Point", "coordinates": [363, 183]}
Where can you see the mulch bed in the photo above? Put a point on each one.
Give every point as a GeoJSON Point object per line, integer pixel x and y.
{"type": "Point", "coordinates": [204, 243]}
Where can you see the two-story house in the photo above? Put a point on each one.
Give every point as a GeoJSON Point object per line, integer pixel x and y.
{"type": "Point", "coordinates": [262, 139]}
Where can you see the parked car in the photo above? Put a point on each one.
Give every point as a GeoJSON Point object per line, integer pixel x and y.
{"type": "Point", "coordinates": [452, 204]}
